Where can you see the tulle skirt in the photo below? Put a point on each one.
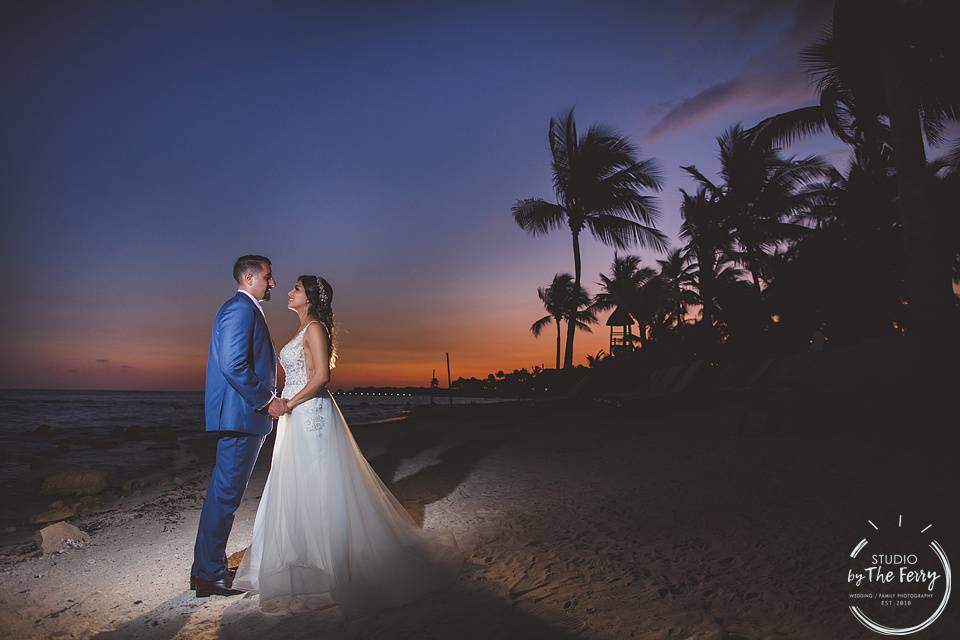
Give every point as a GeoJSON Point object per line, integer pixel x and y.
{"type": "Point", "coordinates": [328, 527]}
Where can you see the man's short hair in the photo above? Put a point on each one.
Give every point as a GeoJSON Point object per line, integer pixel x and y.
{"type": "Point", "coordinates": [246, 264]}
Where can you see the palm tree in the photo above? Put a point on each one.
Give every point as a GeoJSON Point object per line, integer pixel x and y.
{"type": "Point", "coordinates": [761, 198]}
{"type": "Point", "coordinates": [624, 288]}
{"type": "Point", "coordinates": [584, 315]}
{"type": "Point", "coordinates": [620, 288]}
{"type": "Point", "coordinates": [555, 298]}
{"type": "Point", "coordinates": [896, 59]}
{"type": "Point", "coordinates": [676, 277]}
{"type": "Point", "coordinates": [707, 247]}
{"type": "Point", "coordinates": [594, 360]}
{"type": "Point", "coordinates": [856, 254]}
{"type": "Point", "coordinates": [855, 122]}
{"type": "Point", "coordinates": [600, 185]}
{"type": "Point", "coordinates": [558, 299]}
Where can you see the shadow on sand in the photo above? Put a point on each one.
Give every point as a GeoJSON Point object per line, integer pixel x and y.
{"type": "Point", "coordinates": [437, 481]}
{"type": "Point", "coordinates": [444, 614]}
{"type": "Point", "coordinates": [466, 604]}
{"type": "Point", "coordinates": [162, 622]}
{"type": "Point", "coordinates": [406, 444]}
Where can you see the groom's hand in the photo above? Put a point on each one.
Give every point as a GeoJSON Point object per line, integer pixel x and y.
{"type": "Point", "coordinates": [277, 407]}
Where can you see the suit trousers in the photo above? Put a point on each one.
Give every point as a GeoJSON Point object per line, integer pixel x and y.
{"type": "Point", "coordinates": [236, 455]}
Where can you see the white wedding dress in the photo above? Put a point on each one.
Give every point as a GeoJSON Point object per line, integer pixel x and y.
{"type": "Point", "coordinates": [327, 526]}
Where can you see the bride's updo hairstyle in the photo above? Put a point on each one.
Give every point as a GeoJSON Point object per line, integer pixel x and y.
{"type": "Point", "coordinates": [320, 296]}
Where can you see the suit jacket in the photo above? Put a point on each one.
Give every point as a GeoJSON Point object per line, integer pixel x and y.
{"type": "Point", "coordinates": [241, 369]}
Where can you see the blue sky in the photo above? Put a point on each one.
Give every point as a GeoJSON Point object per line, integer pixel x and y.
{"type": "Point", "coordinates": [147, 145]}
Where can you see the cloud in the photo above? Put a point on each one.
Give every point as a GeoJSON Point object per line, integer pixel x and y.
{"type": "Point", "coordinates": [101, 360]}
{"type": "Point", "coordinates": [754, 91]}
{"type": "Point", "coordinates": [771, 78]}
{"type": "Point", "coordinates": [73, 370]}
{"type": "Point", "coordinates": [125, 366]}
{"type": "Point", "coordinates": [659, 107]}
{"type": "Point", "coordinates": [746, 17]}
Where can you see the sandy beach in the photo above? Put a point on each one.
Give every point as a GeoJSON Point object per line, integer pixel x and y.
{"type": "Point", "coordinates": [651, 307]}
{"type": "Point", "coordinates": [675, 520]}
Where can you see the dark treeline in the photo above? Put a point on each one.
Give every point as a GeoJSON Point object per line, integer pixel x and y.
{"type": "Point", "coordinates": [778, 253]}
{"type": "Point", "coordinates": [517, 383]}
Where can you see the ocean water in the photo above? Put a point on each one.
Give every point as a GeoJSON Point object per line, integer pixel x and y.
{"type": "Point", "coordinates": [128, 433]}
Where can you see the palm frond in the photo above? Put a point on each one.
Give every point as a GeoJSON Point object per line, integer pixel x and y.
{"type": "Point", "coordinates": [694, 173]}
{"type": "Point", "coordinates": [537, 327]}
{"type": "Point", "coordinates": [562, 138]}
{"type": "Point", "coordinates": [953, 157]}
{"type": "Point", "coordinates": [820, 59]}
{"type": "Point", "coordinates": [626, 203]}
{"type": "Point", "coordinates": [933, 125]}
{"type": "Point", "coordinates": [583, 326]}
{"type": "Point", "coordinates": [622, 233]}
{"type": "Point", "coordinates": [537, 216]}
{"type": "Point", "coordinates": [784, 129]}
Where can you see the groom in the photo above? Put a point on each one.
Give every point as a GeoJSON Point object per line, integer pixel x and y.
{"type": "Point", "coordinates": [240, 404]}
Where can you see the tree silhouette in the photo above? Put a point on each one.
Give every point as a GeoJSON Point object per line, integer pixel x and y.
{"type": "Point", "coordinates": [601, 186]}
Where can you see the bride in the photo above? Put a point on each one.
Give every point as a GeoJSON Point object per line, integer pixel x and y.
{"type": "Point", "coordinates": [326, 524]}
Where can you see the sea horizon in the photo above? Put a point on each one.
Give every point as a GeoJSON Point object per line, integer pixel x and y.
{"type": "Point", "coordinates": [425, 390]}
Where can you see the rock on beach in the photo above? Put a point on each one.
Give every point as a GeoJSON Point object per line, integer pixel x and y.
{"type": "Point", "coordinates": [59, 537]}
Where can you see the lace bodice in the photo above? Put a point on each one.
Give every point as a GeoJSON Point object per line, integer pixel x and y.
{"type": "Point", "coordinates": [295, 367]}
{"type": "Point", "coordinates": [294, 364]}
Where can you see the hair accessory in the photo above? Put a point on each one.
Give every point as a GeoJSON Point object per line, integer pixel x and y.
{"type": "Point", "coordinates": [321, 291]}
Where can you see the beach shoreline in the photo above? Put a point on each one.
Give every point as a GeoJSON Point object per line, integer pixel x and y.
{"type": "Point", "coordinates": [129, 440]}
{"type": "Point", "coordinates": [576, 520]}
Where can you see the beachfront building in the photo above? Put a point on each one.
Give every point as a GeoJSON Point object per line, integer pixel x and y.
{"type": "Point", "coordinates": [621, 331]}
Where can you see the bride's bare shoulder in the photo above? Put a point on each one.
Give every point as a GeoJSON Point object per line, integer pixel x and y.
{"type": "Point", "coordinates": [316, 333]}
{"type": "Point", "coordinates": [320, 326]}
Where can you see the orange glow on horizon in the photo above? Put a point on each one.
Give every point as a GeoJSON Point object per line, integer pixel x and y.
{"type": "Point", "coordinates": [386, 358]}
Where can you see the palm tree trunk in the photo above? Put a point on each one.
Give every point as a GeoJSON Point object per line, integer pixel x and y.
{"type": "Point", "coordinates": [571, 319]}
{"type": "Point", "coordinates": [705, 275]}
{"type": "Point", "coordinates": [929, 288]}
{"type": "Point", "coordinates": [558, 342]}
{"type": "Point", "coordinates": [709, 306]}
{"type": "Point", "coordinates": [754, 269]}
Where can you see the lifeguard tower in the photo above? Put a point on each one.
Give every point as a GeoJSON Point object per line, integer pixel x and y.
{"type": "Point", "coordinates": [621, 331]}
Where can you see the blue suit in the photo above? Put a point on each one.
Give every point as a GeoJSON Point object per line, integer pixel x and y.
{"type": "Point", "coordinates": [241, 369]}
{"type": "Point", "coordinates": [241, 378]}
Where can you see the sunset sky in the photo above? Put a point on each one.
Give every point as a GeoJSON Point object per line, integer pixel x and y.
{"type": "Point", "coordinates": [147, 145]}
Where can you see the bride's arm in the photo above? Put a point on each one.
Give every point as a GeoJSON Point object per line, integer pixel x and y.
{"type": "Point", "coordinates": [316, 355]}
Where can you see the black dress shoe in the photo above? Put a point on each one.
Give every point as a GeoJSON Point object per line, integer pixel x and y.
{"type": "Point", "coordinates": [193, 579]}
{"type": "Point", "coordinates": [221, 587]}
